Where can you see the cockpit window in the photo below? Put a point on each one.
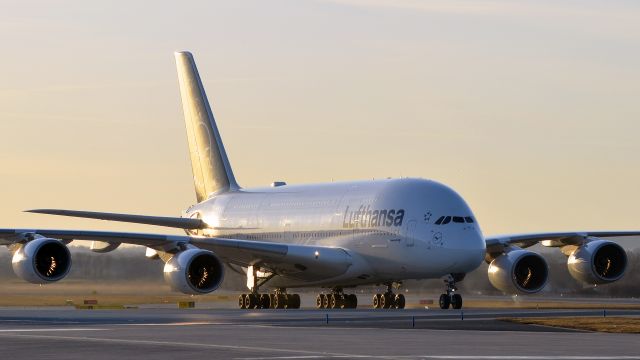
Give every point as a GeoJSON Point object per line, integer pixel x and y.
{"type": "Point", "coordinates": [443, 220]}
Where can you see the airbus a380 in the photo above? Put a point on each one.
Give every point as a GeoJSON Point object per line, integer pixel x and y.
{"type": "Point", "coordinates": [334, 236]}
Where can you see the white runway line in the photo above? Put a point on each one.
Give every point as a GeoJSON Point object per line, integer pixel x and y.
{"type": "Point", "coordinates": [526, 357]}
{"type": "Point", "coordinates": [454, 357]}
{"type": "Point", "coordinates": [187, 344]}
{"type": "Point", "coordinates": [48, 329]}
{"type": "Point", "coordinates": [192, 323]}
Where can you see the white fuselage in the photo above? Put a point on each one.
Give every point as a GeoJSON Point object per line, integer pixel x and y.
{"type": "Point", "coordinates": [387, 227]}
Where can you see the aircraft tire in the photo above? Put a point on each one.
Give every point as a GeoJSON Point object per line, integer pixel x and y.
{"type": "Point", "coordinates": [293, 301]}
{"type": "Point", "coordinates": [352, 300]}
{"type": "Point", "coordinates": [264, 301]}
{"type": "Point", "coordinates": [280, 301]}
{"type": "Point", "coordinates": [376, 301]}
{"type": "Point", "coordinates": [456, 301]}
{"type": "Point", "coordinates": [445, 301]}
{"type": "Point", "coordinates": [399, 301]}
{"type": "Point", "coordinates": [325, 301]}
{"type": "Point", "coordinates": [251, 301]}
{"type": "Point", "coordinates": [385, 301]}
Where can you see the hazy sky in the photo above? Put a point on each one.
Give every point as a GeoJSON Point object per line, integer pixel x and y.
{"type": "Point", "coordinates": [530, 109]}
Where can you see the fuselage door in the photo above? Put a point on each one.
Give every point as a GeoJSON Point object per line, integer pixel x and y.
{"type": "Point", "coordinates": [410, 232]}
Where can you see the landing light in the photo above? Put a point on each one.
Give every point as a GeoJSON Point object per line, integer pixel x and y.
{"type": "Point", "coordinates": [317, 253]}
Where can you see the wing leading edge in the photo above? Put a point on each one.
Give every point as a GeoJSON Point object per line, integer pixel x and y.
{"type": "Point", "coordinates": [550, 239]}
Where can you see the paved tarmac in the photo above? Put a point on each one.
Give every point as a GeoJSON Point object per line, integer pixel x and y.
{"type": "Point", "coordinates": [169, 333]}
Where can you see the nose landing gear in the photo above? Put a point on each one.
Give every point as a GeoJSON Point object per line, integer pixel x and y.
{"type": "Point", "coordinates": [450, 298]}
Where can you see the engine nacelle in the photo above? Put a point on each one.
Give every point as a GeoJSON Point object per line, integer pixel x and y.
{"type": "Point", "coordinates": [194, 271]}
{"type": "Point", "coordinates": [42, 261]}
{"type": "Point", "coordinates": [598, 262]}
{"type": "Point", "coordinates": [519, 271]}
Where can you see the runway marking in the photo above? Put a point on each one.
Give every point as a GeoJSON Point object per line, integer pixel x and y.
{"type": "Point", "coordinates": [456, 357]}
{"type": "Point", "coordinates": [48, 329]}
{"type": "Point", "coordinates": [303, 357]}
{"type": "Point", "coordinates": [176, 324]}
{"type": "Point", "coordinates": [187, 344]}
{"type": "Point", "coordinates": [522, 357]}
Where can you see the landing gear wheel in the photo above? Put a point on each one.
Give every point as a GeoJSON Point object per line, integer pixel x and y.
{"type": "Point", "coordinates": [241, 301]}
{"type": "Point", "coordinates": [333, 301]}
{"type": "Point", "coordinates": [264, 301]}
{"type": "Point", "coordinates": [341, 301]}
{"type": "Point", "coordinates": [445, 301]}
{"type": "Point", "coordinates": [456, 301]}
{"type": "Point", "coordinates": [385, 301]}
{"type": "Point", "coordinates": [280, 301]}
{"type": "Point", "coordinates": [251, 301]}
{"type": "Point", "coordinates": [377, 303]}
{"type": "Point", "coordinates": [325, 301]}
{"type": "Point", "coordinates": [319, 301]}
{"type": "Point", "coordinates": [352, 301]}
{"type": "Point", "coordinates": [399, 301]}
{"type": "Point", "coordinates": [293, 301]}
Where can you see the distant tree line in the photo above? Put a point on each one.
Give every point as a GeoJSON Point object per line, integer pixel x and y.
{"type": "Point", "coordinates": [130, 264]}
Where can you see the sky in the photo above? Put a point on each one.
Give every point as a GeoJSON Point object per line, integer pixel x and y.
{"type": "Point", "coordinates": [529, 109]}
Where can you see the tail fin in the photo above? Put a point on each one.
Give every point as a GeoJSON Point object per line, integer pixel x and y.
{"type": "Point", "coordinates": [211, 169]}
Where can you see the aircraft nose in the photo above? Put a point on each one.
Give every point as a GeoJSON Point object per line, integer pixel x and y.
{"type": "Point", "coordinates": [472, 251]}
{"type": "Point", "coordinates": [477, 249]}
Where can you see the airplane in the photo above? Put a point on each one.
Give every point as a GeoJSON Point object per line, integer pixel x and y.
{"type": "Point", "coordinates": [334, 236]}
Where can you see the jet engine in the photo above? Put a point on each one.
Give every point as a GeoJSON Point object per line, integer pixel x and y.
{"type": "Point", "coordinates": [194, 271]}
{"type": "Point", "coordinates": [597, 262]}
{"type": "Point", "coordinates": [42, 261]}
{"type": "Point", "coordinates": [519, 271]}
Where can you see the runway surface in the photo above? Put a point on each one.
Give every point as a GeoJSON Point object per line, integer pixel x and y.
{"type": "Point", "coordinates": [166, 333]}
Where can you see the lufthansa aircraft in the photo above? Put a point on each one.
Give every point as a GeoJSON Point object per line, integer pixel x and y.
{"type": "Point", "coordinates": [334, 236]}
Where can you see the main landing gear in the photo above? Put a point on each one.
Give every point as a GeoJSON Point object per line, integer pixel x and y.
{"type": "Point", "coordinates": [336, 300]}
{"type": "Point", "coordinates": [255, 300]}
{"type": "Point", "coordinates": [388, 300]}
{"type": "Point", "coordinates": [451, 299]}
{"type": "Point", "coordinates": [278, 300]}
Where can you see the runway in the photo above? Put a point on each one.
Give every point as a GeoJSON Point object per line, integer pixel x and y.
{"type": "Point", "coordinates": [166, 333]}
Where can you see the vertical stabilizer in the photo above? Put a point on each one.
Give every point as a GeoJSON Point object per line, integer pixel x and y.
{"type": "Point", "coordinates": [211, 169]}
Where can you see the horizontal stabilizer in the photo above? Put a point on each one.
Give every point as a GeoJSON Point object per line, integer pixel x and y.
{"type": "Point", "coordinates": [174, 222]}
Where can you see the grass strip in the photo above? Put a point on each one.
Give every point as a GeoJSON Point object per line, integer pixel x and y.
{"type": "Point", "coordinates": [612, 324]}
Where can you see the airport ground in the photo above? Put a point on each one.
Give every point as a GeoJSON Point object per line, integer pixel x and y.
{"type": "Point", "coordinates": [217, 330]}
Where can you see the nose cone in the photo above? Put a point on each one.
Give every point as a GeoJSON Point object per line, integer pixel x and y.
{"type": "Point", "coordinates": [468, 248]}
{"type": "Point", "coordinates": [477, 250]}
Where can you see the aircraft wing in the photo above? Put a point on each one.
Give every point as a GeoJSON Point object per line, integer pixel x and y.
{"type": "Point", "coordinates": [176, 222]}
{"type": "Point", "coordinates": [299, 261]}
{"type": "Point", "coordinates": [497, 243]}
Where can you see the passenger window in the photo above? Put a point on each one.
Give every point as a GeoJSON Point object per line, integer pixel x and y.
{"type": "Point", "coordinates": [439, 221]}
{"type": "Point", "coordinates": [468, 219]}
{"type": "Point", "coordinates": [458, 219]}
{"type": "Point", "coordinates": [446, 220]}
